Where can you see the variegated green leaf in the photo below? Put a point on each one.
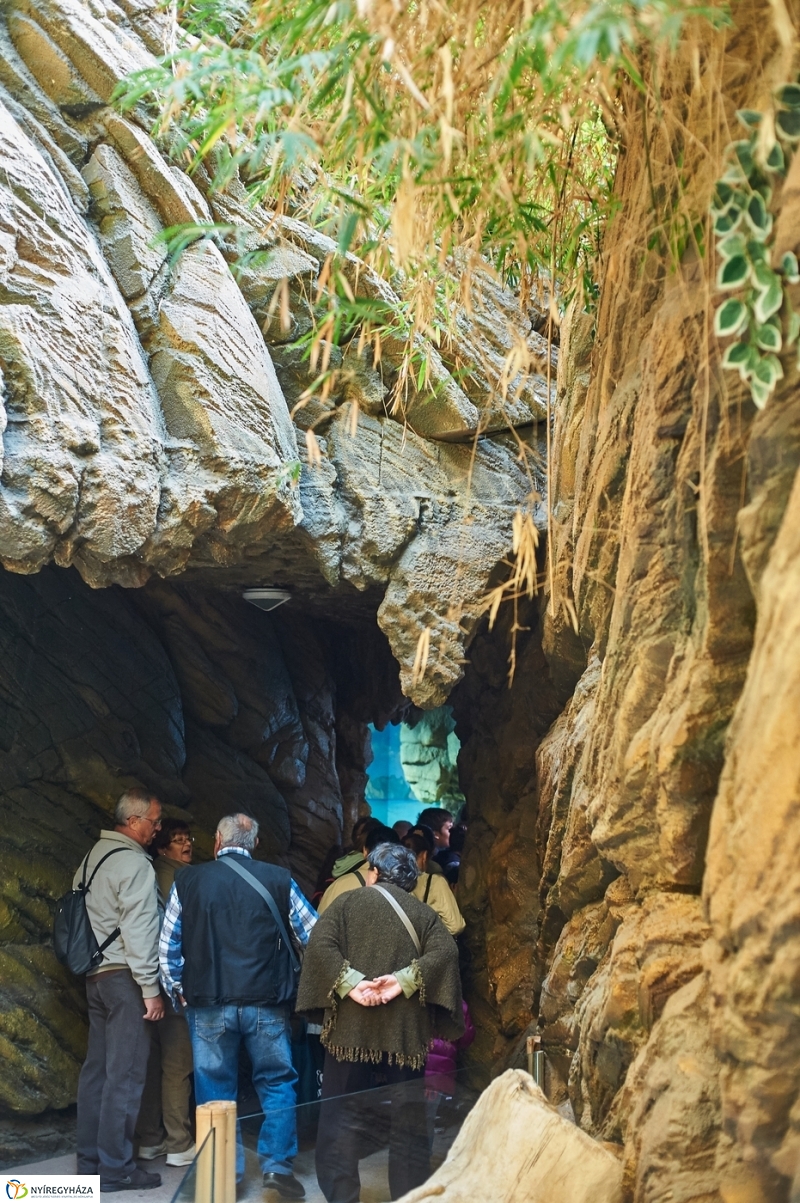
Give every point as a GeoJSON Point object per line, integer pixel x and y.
{"type": "Point", "coordinates": [757, 216]}
{"type": "Point", "coordinates": [794, 327]}
{"type": "Point", "coordinates": [789, 95]}
{"type": "Point", "coordinates": [733, 273]}
{"type": "Point", "coordinates": [734, 244]}
{"type": "Point", "coordinates": [728, 221]}
{"type": "Point", "coordinates": [776, 160]}
{"type": "Point", "coordinates": [759, 392]}
{"type": "Point", "coordinates": [768, 370]}
{"type": "Point", "coordinates": [768, 336]}
{"type": "Point", "coordinates": [730, 318]}
{"type": "Point", "coordinates": [768, 302]}
{"type": "Point", "coordinates": [788, 124]}
{"type": "Point", "coordinates": [737, 355]}
{"type": "Point", "coordinates": [789, 267]}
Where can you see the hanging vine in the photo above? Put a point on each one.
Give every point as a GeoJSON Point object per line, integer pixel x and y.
{"type": "Point", "coordinates": [760, 318]}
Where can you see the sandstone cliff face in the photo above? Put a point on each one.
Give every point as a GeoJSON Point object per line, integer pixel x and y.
{"type": "Point", "coordinates": [665, 976]}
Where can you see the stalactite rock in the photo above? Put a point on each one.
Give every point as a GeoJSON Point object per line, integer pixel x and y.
{"type": "Point", "coordinates": [515, 1148]}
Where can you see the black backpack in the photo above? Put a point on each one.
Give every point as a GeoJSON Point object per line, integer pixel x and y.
{"type": "Point", "coordinates": [74, 942]}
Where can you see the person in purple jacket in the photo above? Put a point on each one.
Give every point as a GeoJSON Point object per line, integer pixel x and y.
{"type": "Point", "coordinates": [440, 1069]}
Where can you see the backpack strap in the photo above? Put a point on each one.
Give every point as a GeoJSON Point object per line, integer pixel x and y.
{"type": "Point", "coordinates": [85, 887]}
{"type": "Point", "coordinates": [409, 926]}
{"type": "Point", "coordinates": [261, 889]}
{"type": "Point", "coordinates": [359, 876]}
{"type": "Point", "coordinates": [427, 887]}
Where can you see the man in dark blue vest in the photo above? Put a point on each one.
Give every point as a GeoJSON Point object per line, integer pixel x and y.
{"type": "Point", "coordinates": [226, 955]}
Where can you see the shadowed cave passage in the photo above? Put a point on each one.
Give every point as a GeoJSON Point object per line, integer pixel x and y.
{"type": "Point", "coordinates": [218, 706]}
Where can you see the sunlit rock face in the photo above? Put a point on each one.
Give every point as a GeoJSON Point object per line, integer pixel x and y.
{"type": "Point", "coordinates": [660, 810]}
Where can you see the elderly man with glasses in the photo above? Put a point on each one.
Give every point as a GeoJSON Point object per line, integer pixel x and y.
{"type": "Point", "coordinates": [122, 993]}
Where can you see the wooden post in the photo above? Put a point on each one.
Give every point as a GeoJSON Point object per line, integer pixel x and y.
{"type": "Point", "coordinates": [533, 1047]}
{"type": "Point", "coordinates": [216, 1168]}
{"type": "Point", "coordinates": [204, 1162]}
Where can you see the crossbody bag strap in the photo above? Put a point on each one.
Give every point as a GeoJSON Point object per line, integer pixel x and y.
{"type": "Point", "coordinates": [261, 889]}
{"type": "Point", "coordinates": [358, 875]}
{"type": "Point", "coordinates": [409, 926]}
{"type": "Point", "coordinates": [427, 887]}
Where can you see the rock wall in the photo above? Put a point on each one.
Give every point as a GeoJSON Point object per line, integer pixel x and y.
{"type": "Point", "coordinates": [660, 808]}
{"type": "Point", "coordinates": [214, 705]}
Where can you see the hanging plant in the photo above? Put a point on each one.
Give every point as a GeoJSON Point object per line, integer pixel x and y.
{"type": "Point", "coordinates": [743, 226]}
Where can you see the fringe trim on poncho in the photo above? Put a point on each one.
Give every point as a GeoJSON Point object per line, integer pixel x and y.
{"type": "Point", "coordinates": [333, 999]}
{"type": "Point", "coordinates": [419, 981]}
{"type": "Point", "coordinates": [375, 1055]}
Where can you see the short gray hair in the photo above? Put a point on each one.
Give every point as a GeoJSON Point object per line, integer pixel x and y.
{"type": "Point", "coordinates": [395, 864]}
{"type": "Point", "coordinates": [134, 803]}
{"type": "Point", "coordinates": [238, 831]}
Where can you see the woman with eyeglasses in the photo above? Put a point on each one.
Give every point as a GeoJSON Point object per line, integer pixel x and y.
{"type": "Point", "coordinates": [164, 1125]}
{"type": "Point", "coordinates": [172, 848]}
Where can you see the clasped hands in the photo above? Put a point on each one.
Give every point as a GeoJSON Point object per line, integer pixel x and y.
{"type": "Point", "coordinates": [378, 990]}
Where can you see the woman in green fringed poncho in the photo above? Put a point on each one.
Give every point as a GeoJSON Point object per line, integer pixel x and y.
{"type": "Point", "coordinates": [386, 982]}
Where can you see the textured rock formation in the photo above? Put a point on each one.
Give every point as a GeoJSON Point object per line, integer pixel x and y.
{"type": "Point", "coordinates": [148, 429]}
{"type": "Point", "coordinates": [664, 980]}
{"type": "Point", "coordinates": [516, 1148]}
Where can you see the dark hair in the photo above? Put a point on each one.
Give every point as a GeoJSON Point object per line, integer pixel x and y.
{"type": "Point", "coordinates": [434, 817]}
{"type": "Point", "coordinates": [416, 842]}
{"type": "Point", "coordinates": [360, 829]}
{"type": "Point", "coordinates": [425, 833]}
{"type": "Point", "coordinates": [404, 823]}
{"type": "Point", "coordinates": [457, 837]}
{"type": "Point", "coordinates": [169, 829]}
{"type": "Point", "coordinates": [396, 865]}
{"type": "Point", "coordinates": [379, 835]}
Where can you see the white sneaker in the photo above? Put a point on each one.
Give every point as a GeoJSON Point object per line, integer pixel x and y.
{"type": "Point", "coordinates": [184, 1158]}
{"type": "Point", "coordinates": [150, 1152]}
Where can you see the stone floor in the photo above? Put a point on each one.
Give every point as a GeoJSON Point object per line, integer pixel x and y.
{"type": "Point", "coordinates": [374, 1179]}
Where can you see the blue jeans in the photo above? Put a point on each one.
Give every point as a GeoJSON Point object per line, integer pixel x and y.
{"type": "Point", "coordinates": [216, 1035]}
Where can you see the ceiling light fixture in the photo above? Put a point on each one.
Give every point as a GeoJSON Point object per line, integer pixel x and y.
{"type": "Point", "coordinates": [266, 599]}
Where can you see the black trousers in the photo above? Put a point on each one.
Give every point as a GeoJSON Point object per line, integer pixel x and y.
{"type": "Point", "coordinates": [113, 1074]}
{"type": "Point", "coordinates": [350, 1121]}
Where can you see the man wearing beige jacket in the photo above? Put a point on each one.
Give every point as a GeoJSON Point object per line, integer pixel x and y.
{"type": "Point", "coordinates": [122, 994]}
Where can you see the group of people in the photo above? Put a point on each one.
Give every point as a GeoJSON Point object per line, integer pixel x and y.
{"type": "Point", "coordinates": [213, 956]}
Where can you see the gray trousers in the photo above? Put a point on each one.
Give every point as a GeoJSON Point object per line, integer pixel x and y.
{"type": "Point", "coordinates": [112, 1079]}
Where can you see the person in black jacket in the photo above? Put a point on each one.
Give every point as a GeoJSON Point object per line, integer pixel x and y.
{"type": "Point", "coordinates": [224, 956]}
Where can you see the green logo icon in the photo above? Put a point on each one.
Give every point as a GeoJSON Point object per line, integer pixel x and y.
{"type": "Point", "coordinates": [16, 1189]}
